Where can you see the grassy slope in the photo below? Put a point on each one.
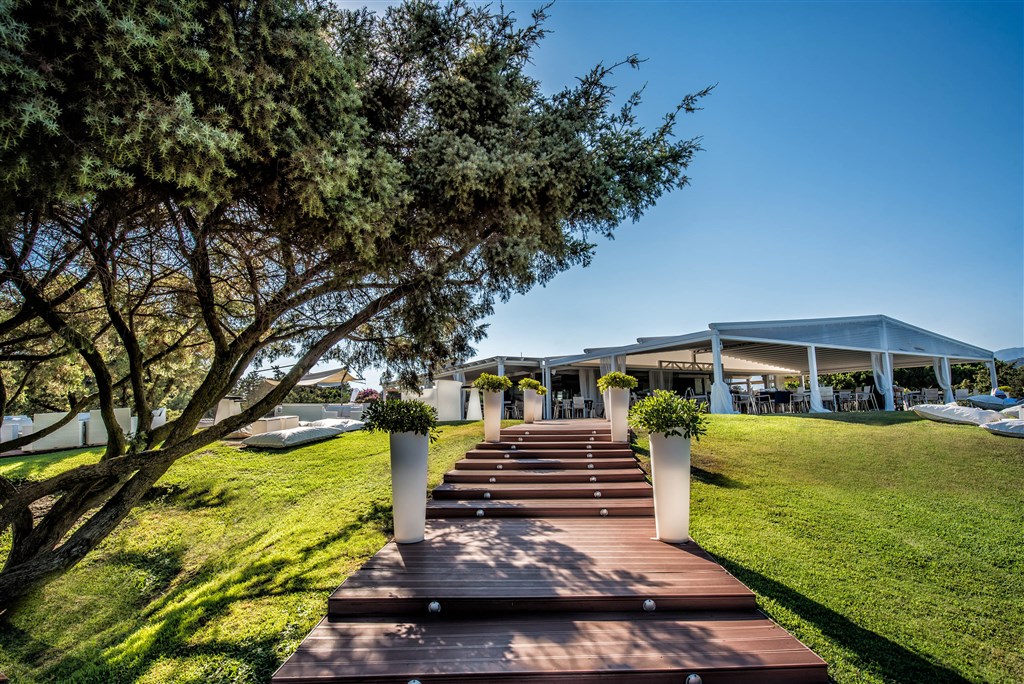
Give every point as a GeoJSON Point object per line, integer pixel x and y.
{"type": "Point", "coordinates": [889, 545]}
{"type": "Point", "coordinates": [221, 574]}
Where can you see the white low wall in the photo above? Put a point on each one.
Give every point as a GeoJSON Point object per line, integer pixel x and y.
{"type": "Point", "coordinates": [306, 412]}
{"type": "Point", "coordinates": [66, 437]}
{"type": "Point", "coordinates": [96, 431]}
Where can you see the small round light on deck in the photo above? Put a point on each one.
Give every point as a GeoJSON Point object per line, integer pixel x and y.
{"type": "Point", "coordinates": [487, 495]}
{"type": "Point", "coordinates": [520, 439]}
{"type": "Point", "coordinates": [507, 455]}
{"type": "Point", "coordinates": [593, 432]}
{"type": "Point", "coordinates": [513, 447]}
{"type": "Point", "coordinates": [492, 480]}
{"type": "Point", "coordinates": [649, 606]}
{"type": "Point", "coordinates": [499, 466]}
{"type": "Point", "coordinates": [479, 512]}
{"type": "Point", "coordinates": [591, 439]}
{"type": "Point", "coordinates": [694, 679]}
{"type": "Point", "coordinates": [527, 432]}
{"type": "Point", "coordinates": [604, 512]}
{"type": "Point", "coordinates": [597, 495]}
{"type": "Point", "coordinates": [590, 466]}
{"type": "Point", "coordinates": [590, 455]}
{"type": "Point", "coordinates": [433, 607]}
{"type": "Point", "coordinates": [589, 447]}
{"type": "Point", "coordinates": [414, 681]}
{"type": "Point", "coordinates": [593, 478]}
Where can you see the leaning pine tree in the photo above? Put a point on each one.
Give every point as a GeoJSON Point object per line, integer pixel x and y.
{"type": "Point", "coordinates": [213, 185]}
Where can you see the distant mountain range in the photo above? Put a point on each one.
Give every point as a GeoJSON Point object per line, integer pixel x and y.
{"type": "Point", "coordinates": [1011, 354]}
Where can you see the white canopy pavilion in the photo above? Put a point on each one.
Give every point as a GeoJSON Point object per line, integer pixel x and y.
{"type": "Point", "coordinates": [760, 349]}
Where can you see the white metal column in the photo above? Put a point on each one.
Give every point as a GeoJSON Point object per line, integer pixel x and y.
{"type": "Point", "coordinates": [992, 374]}
{"type": "Point", "coordinates": [547, 397]}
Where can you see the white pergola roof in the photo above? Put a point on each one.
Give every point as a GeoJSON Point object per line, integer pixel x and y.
{"type": "Point", "coordinates": [780, 347]}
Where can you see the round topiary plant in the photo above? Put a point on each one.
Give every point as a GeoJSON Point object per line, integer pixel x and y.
{"type": "Point", "coordinates": [529, 384]}
{"type": "Point", "coordinates": [492, 383]}
{"type": "Point", "coordinates": [399, 415]}
{"type": "Point", "coordinates": [615, 379]}
{"type": "Point", "coordinates": [668, 414]}
{"type": "Point", "coordinates": [541, 391]}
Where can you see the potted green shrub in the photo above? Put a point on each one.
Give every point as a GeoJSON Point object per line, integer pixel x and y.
{"type": "Point", "coordinates": [411, 426]}
{"type": "Point", "coordinates": [616, 387]}
{"type": "Point", "coordinates": [671, 422]}
{"type": "Point", "coordinates": [493, 387]}
{"type": "Point", "coordinates": [529, 388]}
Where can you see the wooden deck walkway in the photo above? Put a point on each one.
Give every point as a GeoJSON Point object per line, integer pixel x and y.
{"type": "Point", "coordinates": [539, 566]}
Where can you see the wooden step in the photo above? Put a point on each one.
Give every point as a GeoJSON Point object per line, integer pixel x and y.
{"type": "Point", "coordinates": [542, 508]}
{"type": "Point", "coordinates": [543, 490]}
{"type": "Point", "coordinates": [548, 453]}
{"type": "Point", "coordinates": [551, 444]}
{"type": "Point", "coordinates": [553, 475]}
{"type": "Point", "coordinates": [509, 565]}
{"type": "Point", "coordinates": [614, 463]}
{"type": "Point", "coordinates": [583, 648]}
{"type": "Point", "coordinates": [548, 437]}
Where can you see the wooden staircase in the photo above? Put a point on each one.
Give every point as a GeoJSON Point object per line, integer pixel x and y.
{"type": "Point", "coordinates": [541, 471]}
{"type": "Point", "coordinates": [539, 566]}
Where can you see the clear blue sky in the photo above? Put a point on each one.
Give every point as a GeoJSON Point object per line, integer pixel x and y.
{"type": "Point", "coordinates": [860, 158]}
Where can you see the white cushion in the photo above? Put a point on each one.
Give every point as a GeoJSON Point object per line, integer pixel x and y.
{"type": "Point", "coordinates": [1014, 412]}
{"type": "Point", "coordinates": [1007, 428]}
{"type": "Point", "coordinates": [343, 424]}
{"type": "Point", "coordinates": [282, 439]}
{"type": "Point", "coordinates": [962, 415]}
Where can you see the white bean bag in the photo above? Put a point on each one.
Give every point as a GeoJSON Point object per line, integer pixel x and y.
{"type": "Point", "coordinates": [961, 415]}
{"type": "Point", "coordinates": [1014, 412]}
{"type": "Point", "coordinates": [1006, 428]}
{"type": "Point", "coordinates": [343, 424]}
{"type": "Point", "coordinates": [282, 439]}
{"type": "Point", "coordinates": [991, 403]}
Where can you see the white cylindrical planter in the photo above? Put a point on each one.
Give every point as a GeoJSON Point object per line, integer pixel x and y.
{"type": "Point", "coordinates": [473, 405]}
{"type": "Point", "coordinates": [409, 485]}
{"type": "Point", "coordinates": [538, 412]}
{"type": "Point", "coordinates": [607, 405]}
{"type": "Point", "coordinates": [492, 416]}
{"type": "Point", "coordinates": [670, 470]}
{"type": "Point", "coordinates": [529, 405]}
{"type": "Point", "coordinates": [619, 402]}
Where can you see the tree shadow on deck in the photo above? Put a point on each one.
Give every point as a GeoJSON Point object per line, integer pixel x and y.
{"type": "Point", "coordinates": [873, 652]}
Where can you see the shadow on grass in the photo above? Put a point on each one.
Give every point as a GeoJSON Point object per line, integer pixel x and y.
{"type": "Point", "coordinates": [872, 418]}
{"type": "Point", "coordinates": [889, 660]}
{"type": "Point", "coordinates": [189, 498]}
{"type": "Point", "coordinates": [710, 477]}
{"type": "Point", "coordinates": [167, 625]}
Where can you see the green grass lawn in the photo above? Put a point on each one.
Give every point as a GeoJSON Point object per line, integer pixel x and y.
{"type": "Point", "coordinates": [891, 546]}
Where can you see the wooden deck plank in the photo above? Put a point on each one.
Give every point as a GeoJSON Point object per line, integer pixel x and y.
{"type": "Point", "coordinates": [603, 648]}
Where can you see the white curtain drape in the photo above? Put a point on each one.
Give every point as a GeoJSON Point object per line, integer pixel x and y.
{"type": "Point", "coordinates": [881, 367]}
{"type": "Point", "coordinates": [942, 375]}
{"type": "Point", "coordinates": [812, 362]}
{"type": "Point", "coordinates": [588, 383]}
{"type": "Point", "coordinates": [661, 380]}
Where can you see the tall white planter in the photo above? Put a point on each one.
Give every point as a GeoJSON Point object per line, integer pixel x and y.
{"type": "Point", "coordinates": [538, 412]}
{"type": "Point", "coordinates": [607, 405]}
{"type": "Point", "coordinates": [618, 398]}
{"type": "Point", "coordinates": [670, 470]}
{"type": "Point", "coordinates": [409, 485]}
{"type": "Point", "coordinates": [492, 416]}
{"type": "Point", "coordinates": [529, 405]}
{"type": "Point", "coordinates": [473, 405]}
